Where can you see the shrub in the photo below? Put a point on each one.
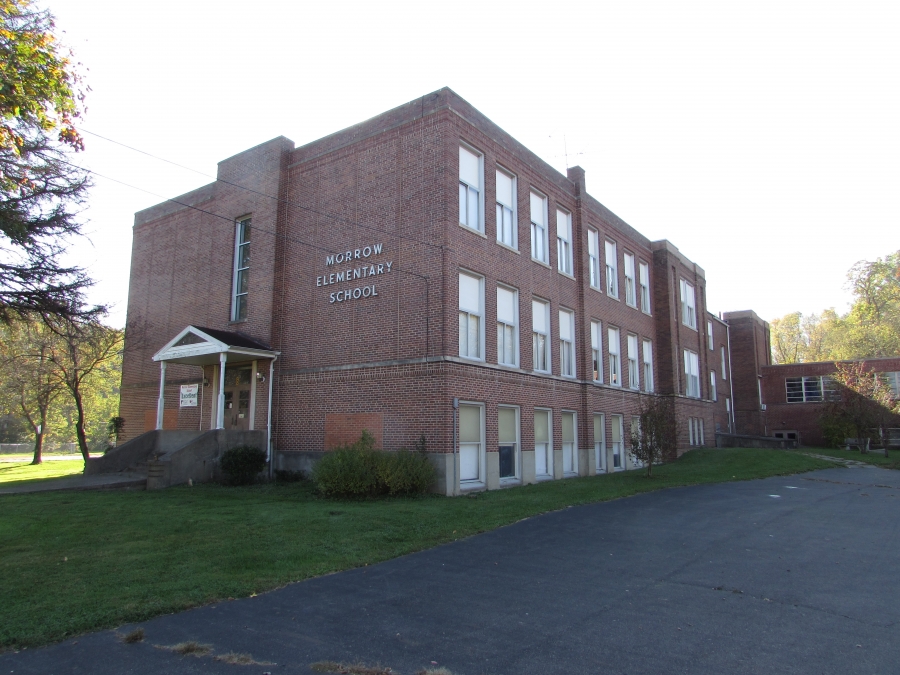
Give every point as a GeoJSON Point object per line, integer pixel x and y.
{"type": "Point", "coordinates": [358, 470]}
{"type": "Point", "coordinates": [242, 464]}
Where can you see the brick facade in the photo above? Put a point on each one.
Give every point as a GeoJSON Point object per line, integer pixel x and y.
{"type": "Point", "coordinates": [387, 192]}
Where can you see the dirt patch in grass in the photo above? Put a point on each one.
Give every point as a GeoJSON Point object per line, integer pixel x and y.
{"type": "Point", "coordinates": [129, 638]}
{"type": "Point", "coordinates": [349, 668]}
{"type": "Point", "coordinates": [190, 648]}
{"type": "Point", "coordinates": [236, 659]}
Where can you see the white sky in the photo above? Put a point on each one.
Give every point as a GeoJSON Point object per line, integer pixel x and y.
{"type": "Point", "coordinates": [761, 138]}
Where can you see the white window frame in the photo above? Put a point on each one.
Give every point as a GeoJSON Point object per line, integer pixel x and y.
{"type": "Point", "coordinates": [567, 346]}
{"type": "Point", "coordinates": [240, 298]}
{"type": "Point", "coordinates": [469, 313]}
{"type": "Point", "coordinates": [600, 443]}
{"type": "Point", "coordinates": [478, 447]}
{"type": "Point", "coordinates": [508, 212]}
{"type": "Point", "coordinates": [614, 347]}
{"type": "Point", "coordinates": [548, 449]}
{"type": "Point", "coordinates": [695, 432]}
{"type": "Point", "coordinates": [596, 350]}
{"type": "Point", "coordinates": [713, 386]}
{"type": "Point", "coordinates": [503, 326]}
{"type": "Point", "coordinates": [465, 210]}
{"type": "Point", "coordinates": [517, 455]}
{"type": "Point", "coordinates": [647, 354]}
{"type": "Point", "coordinates": [630, 282]}
{"type": "Point", "coordinates": [724, 370]}
{"type": "Point", "coordinates": [564, 242]}
{"type": "Point", "coordinates": [539, 240]}
{"type": "Point", "coordinates": [709, 335]}
{"type": "Point", "coordinates": [812, 389]}
{"type": "Point", "coordinates": [617, 421]}
{"type": "Point", "coordinates": [644, 272]}
{"type": "Point", "coordinates": [594, 258]}
{"type": "Point", "coordinates": [691, 374]}
{"type": "Point", "coordinates": [688, 304]}
{"type": "Point", "coordinates": [893, 380]}
{"type": "Point", "coordinates": [634, 375]}
{"type": "Point", "coordinates": [612, 270]}
{"type": "Point", "coordinates": [535, 336]}
{"type": "Point", "coordinates": [570, 448]}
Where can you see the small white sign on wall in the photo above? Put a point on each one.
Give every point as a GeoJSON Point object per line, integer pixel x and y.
{"type": "Point", "coordinates": [189, 395]}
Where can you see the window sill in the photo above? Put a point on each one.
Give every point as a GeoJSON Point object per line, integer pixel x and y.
{"type": "Point", "coordinates": [628, 304]}
{"type": "Point", "coordinates": [596, 288]}
{"type": "Point", "coordinates": [473, 359]}
{"type": "Point", "coordinates": [473, 231]}
{"type": "Point", "coordinates": [509, 248]}
{"type": "Point", "coordinates": [613, 297]}
{"type": "Point", "coordinates": [566, 274]}
{"type": "Point", "coordinates": [541, 263]}
{"type": "Point", "coordinates": [234, 323]}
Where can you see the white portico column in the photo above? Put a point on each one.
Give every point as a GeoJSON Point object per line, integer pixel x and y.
{"type": "Point", "coordinates": [161, 402]}
{"type": "Point", "coordinates": [220, 416]}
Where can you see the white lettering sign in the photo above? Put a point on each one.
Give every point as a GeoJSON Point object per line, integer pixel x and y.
{"type": "Point", "coordinates": [357, 267]}
{"type": "Point", "coordinates": [189, 395]}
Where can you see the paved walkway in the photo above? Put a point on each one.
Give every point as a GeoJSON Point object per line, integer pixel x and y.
{"type": "Point", "coordinates": [849, 463]}
{"type": "Point", "coordinates": [795, 574]}
{"type": "Point", "coordinates": [103, 481]}
{"type": "Point", "coordinates": [28, 458]}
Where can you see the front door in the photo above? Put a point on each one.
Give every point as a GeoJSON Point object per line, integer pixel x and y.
{"type": "Point", "coordinates": [237, 397]}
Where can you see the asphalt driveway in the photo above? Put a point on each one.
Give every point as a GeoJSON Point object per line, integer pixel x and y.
{"type": "Point", "coordinates": [799, 574]}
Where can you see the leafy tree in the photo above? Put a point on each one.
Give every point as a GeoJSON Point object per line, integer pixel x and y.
{"type": "Point", "coordinates": [41, 96]}
{"type": "Point", "coordinates": [655, 438]}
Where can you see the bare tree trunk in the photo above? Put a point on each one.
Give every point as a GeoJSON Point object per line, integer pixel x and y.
{"type": "Point", "coordinates": [79, 423]}
{"type": "Point", "coordinates": [38, 446]}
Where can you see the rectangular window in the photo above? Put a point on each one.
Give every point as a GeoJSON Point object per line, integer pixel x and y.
{"type": "Point", "coordinates": [508, 437]}
{"type": "Point", "coordinates": [713, 386]}
{"type": "Point", "coordinates": [506, 209]}
{"type": "Point", "coordinates": [691, 374]}
{"type": "Point", "coordinates": [633, 373]}
{"type": "Point", "coordinates": [615, 368]}
{"type": "Point", "coordinates": [569, 445]}
{"type": "Point", "coordinates": [723, 371]}
{"type": "Point", "coordinates": [507, 326]}
{"type": "Point", "coordinates": [241, 276]}
{"type": "Point", "coordinates": [470, 179]}
{"type": "Point", "coordinates": [809, 389]}
{"type": "Point", "coordinates": [615, 436]}
{"type": "Point", "coordinates": [630, 293]}
{"type": "Point", "coordinates": [688, 305]}
{"type": "Point", "coordinates": [594, 257]}
{"type": "Point", "coordinates": [540, 336]}
{"type": "Point", "coordinates": [471, 445]}
{"type": "Point", "coordinates": [564, 241]}
{"type": "Point", "coordinates": [600, 442]}
{"type": "Point", "coordinates": [644, 270]}
{"type": "Point", "coordinates": [539, 228]}
{"type": "Point", "coordinates": [695, 432]}
{"type": "Point", "coordinates": [612, 272]}
{"type": "Point", "coordinates": [597, 351]}
{"type": "Point", "coordinates": [648, 365]}
{"type": "Point", "coordinates": [566, 343]}
{"type": "Point", "coordinates": [893, 380]}
{"type": "Point", "coordinates": [543, 445]}
{"type": "Point", "coordinates": [471, 311]}
{"type": "Point", "coordinates": [709, 335]}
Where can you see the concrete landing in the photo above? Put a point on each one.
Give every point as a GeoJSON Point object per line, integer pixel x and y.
{"type": "Point", "coordinates": [103, 481]}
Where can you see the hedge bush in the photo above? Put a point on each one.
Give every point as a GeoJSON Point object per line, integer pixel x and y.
{"type": "Point", "coordinates": [358, 470]}
{"type": "Point", "coordinates": [242, 464]}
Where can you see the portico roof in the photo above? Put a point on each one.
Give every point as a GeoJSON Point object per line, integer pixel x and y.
{"type": "Point", "coordinates": [202, 346]}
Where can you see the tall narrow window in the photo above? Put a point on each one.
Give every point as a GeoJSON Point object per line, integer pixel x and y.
{"type": "Point", "coordinates": [566, 343]}
{"type": "Point", "coordinates": [506, 209]}
{"type": "Point", "coordinates": [709, 335]}
{"type": "Point", "coordinates": [615, 436]}
{"type": "Point", "coordinates": [688, 305]}
{"type": "Point", "coordinates": [691, 374]}
{"type": "Point", "coordinates": [471, 311]}
{"type": "Point", "coordinates": [594, 257]}
{"type": "Point", "coordinates": [241, 276]}
{"type": "Point", "coordinates": [644, 270]}
{"type": "Point", "coordinates": [471, 445]}
{"type": "Point", "coordinates": [564, 241]}
{"type": "Point", "coordinates": [470, 172]}
{"type": "Point", "coordinates": [723, 371]}
{"type": "Point", "coordinates": [597, 351]}
{"type": "Point", "coordinates": [540, 337]}
{"type": "Point", "coordinates": [539, 228]}
{"type": "Point", "coordinates": [615, 367]}
{"type": "Point", "coordinates": [633, 372]}
{"type": "Point", "coordinates": [569, 445]}
{"type": "Point", "coordinates": [630, 291]}
{"type": "Point", "coordinates": [508, 437]}
{"type": "Point", "coordinates": [507, 326]}
{"type": "Point", "coordinates": [543, 447]}
{"type": "Point", "coordinates": [713, 389]}
{"type": "Point", "coordinates": [612, 271]}
{"type": "Point", "coordinates": [600, 442]}
{"type": "Point", "coordinates": [648, 365]}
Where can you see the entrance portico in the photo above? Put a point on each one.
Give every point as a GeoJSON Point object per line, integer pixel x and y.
{"type": "Point", "coordinates": [236, 372]}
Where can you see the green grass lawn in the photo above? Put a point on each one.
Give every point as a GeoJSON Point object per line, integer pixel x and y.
{"type": "Point", "coordinates": [12, 473]}
{"type": "Point", "coordinates": [72, 562]}
{"type": "Point", "coordinates": [876, 457]}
